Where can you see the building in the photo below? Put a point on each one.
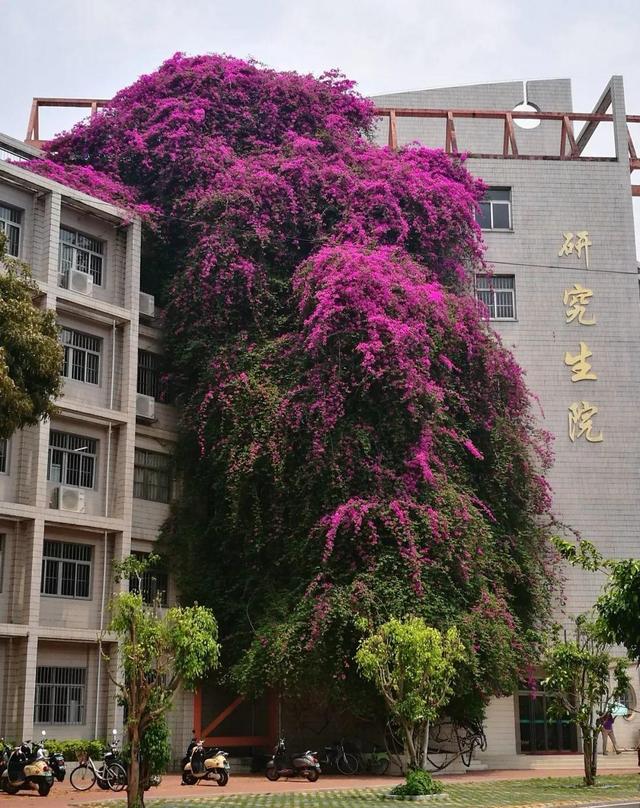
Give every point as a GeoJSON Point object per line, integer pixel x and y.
{"type": "Point", "coordinates": [94, 483]}
{"type": "Point", "coordinates": [91, 485]}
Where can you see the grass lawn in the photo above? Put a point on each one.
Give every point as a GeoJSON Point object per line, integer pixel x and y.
{"type": "Point", "coordinates": [552, 791]}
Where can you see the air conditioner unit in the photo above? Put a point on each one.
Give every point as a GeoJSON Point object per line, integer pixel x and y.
{"type": "Point", "coordinates": [80, 282]}
{"type": "Point", "coordinates": [147, 305]}
{"type": "Point", "coordinates": [145, 407]}
{"type": "Point", "coordinates": [68, 499]}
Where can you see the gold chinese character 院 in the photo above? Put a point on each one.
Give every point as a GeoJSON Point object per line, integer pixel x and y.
{"type": "Point", "coordinates": [580, 368]}
{"type": "Point", "coordinates": [577, 299]}
{"type": "Point", "coordinates": [581, 415]}
{"type": "Point", "coordinates": [579, 242]}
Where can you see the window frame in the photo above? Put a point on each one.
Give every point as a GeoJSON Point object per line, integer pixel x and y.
{"type": "Point", "coordinates": [45, 712]}
{"type": "Point", "coordinates": [492, 202]}
{"type": "Point", "coordinates": [149, 378]}
{"type": "Point", "coordinates": [70, 351]}
{"type": "Point", "coordinates": [146, 582]}
{"type": "Point", "coordinates": [70, 452]}
{"type": "Point", "coordinates": [5, 224]}
{"type": "Point", "coordinates": [493, 291]}
{"type": "Point", "coordinates": [142, 487]}
{"type": "Point", "coordinates": [60, 560]}
{"type": "Point", "coordinates": [5, 452]}
{"type": "Point", "coordinates": [63, 274]}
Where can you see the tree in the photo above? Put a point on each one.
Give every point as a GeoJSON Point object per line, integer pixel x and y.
{"type": "Point", "coordinates": [357, 443]}
{"type": "Point", "coordinates": [618, 606]}
{"type": "Point", "coordinates": [30, 351]}
{"type": "Point", "coordinates": [413, 666]}
{"type": "Point", "coordinates": [579, 672]}
{"type": "Point", "coordinates": [158, 652]}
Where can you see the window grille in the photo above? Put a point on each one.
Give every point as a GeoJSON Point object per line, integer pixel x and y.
{"type": "Point", "coordinates": [149, 380]}
{"type": "Point", "coordinates": [4, 455]}
{"type": "Point", "coordinates": [152, 476]}
{"type": "Point", "coordinates": [80, 252]}
{"type": "Point", "coordinates": [11, 226]}
{"type": "Point", "coordinates": [60, 695]}
{"type": "Point", "coordinates": [72, 459]}
{"type": "Point", "coordinates": [495, 209]}
{"type": "Point", "coordinates": [152, 585]}
{"type": "Point", "coordinates": [498, 293]}
{"type": "Point", "coordinates": [81, 356]}
{"type": "Point", "coordinates": [66, 569]}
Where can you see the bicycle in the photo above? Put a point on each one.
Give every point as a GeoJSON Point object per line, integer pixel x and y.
{"type": "Point", "coordinates": [85, 775]}
{"type": "Point", "coordinates": [335, 756]}
{"type": "Point", "coordinates": [375, 762]}
{"type": "Point", "coordinates": [450, 741]}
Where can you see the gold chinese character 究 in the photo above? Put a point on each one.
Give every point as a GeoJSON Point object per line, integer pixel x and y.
{"type": "Point", "coordinates": [581, 415]}
{"type": "Point", "coordinates": [577, 243]}
{"type": "Point", "coordinates": [580, 368]}
{"type": "Point", "coordinates": [577, 299]}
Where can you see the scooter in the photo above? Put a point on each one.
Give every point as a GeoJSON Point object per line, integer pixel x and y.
{"type": "Point", "coordinates": [54, 759]}
{"type": "Point", "coordinates": [200, 763]}
{"type": "Point", "coordinates": [27, 767]}
{"type": "Point", "coordinates": [300, 765]}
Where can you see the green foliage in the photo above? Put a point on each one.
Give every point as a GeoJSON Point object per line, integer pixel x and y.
{"type": "Point", "coordinates": [30, 352]}
{"type": "Point", "coordinates": [418, 783]}
{"type": "Point", "coordinates": [413, 666]}
{"type": "Point", "coordinates": [579, 672]}
{"type": "Point", "coordinates": [72, 749]}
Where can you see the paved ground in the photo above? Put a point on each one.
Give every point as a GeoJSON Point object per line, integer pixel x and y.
{"type": "Point", "coordinates": [502, 789]}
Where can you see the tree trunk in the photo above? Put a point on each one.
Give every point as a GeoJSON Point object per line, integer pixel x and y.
{"type": "Point", "coordinates": [587, 752]}
{"type": "Point", "coordinates": [413, 755]}
{"type": "Point", "coordinates": [135, 791]}
{"type": "Point", "coordinates": [425, 745]}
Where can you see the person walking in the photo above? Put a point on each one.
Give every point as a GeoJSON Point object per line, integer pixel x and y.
{"type": "Point", "coordinates": [606, 723]}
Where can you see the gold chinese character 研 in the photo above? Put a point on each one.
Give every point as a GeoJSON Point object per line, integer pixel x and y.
{"type": "Point", "coordinates": [580, 368]}
{"type": "Point", "coordinates": [577, 299]}
{"type": "Point", "coordinates": [581, 415]}
{"type": "Point", "coordinates": [579, 242]}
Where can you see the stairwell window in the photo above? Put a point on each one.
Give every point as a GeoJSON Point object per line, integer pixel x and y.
{"type": "Point", "coordinates": [72, 459]}
{"type": "Point", "coordinates": [152, 476]}
{"type": "Point", "coordinates": [495, 209]}
{"type": "Point", "coordinates": [498, 293]}
{"type": "Point", "coordinates": [153, 584]}
{"type": "Point", "coordinates": [82, 253]}
{"type": "Point", "coordinates": [60, 695]}
{"type": "Point", "coordinates": [149, 376]}
{"type": "Point", "coordinates": [66, 569]}
{"type": "Point", "coordinates": [4, 455]}
{"type": "Point", "coordinates": [81, 356]}
{"type": "Point", "coordinates": [11, 226]}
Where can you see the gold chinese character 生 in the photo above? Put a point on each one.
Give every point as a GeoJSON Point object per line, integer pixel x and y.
{"type": "Point", "coordinates": [579, 242]}
{"type": "Point", "coordinates": [577, 299]}
{"type": "Point", "coordinates": [580, 368]}
{"type": "Point", "coordinates": [581, 415]}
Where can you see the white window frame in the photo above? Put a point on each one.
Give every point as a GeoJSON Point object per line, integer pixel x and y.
{"type": "Point", "coordinates": [78, 348]}
{"type": "Point", "coordinates": [4, 455]}
{"type": "Point", "coordinates": [78, 455]}
{"type": "Point", "coordinates": [58, 708]}
{"type": "Point", "coordinates": [70, 251]}
{"type": "Point", "coordinates": [484, 284]}
{"type": "Point", "coordinates": [7, 224]}
{"type": "Point", "coordinates": [494, 203]}
{"type": "Point", "coordinates": [69, 558]}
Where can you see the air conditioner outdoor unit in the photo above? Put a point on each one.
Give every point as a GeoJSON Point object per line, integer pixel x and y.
{"type": "Point", "coordinates": [147, 305]}
{"type": "Point", "coordinates": [80, 282]}
{"type": "Point", "coordinates": [69, 499]}
{"type": "Point", "coordinates": [145, 407]}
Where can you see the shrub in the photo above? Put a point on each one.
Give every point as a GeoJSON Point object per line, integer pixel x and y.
{"type": "Point", "coordinates": [418, 783]}
{"type": "Point", "coordinates": [72, 749]}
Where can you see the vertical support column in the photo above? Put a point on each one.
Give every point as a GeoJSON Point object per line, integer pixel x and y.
{"type": "Point", "coordinates": [26, 698]}
{"type": "Point", "coordinates": [51, 240]}
{"type": "Point", "coordinates": [619, 112]}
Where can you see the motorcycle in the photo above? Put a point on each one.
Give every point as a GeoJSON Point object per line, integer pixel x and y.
{"type": "Point", "coordinates": [300, 765]}
{"type": "Point", "coordinates": [28, 766]}
{"type": "Point", "coordinates": [200, 763]}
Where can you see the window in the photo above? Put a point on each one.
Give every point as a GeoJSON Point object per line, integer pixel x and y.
{"type": "Point", "coordinates": [498, 293]}
{"type": "Point", "coordinates": [152, 585]}
{"type": "Point", "coordinates": [149, 374]}
{"type": "Point", "coordinates": [628, 699]}
{"type": "Point", "coordinates": [152, 476]}
{"type": "Point", "coordinates": [72, 459]}
{"type": "Point", "coordinates": [10, 225]}
{"type": "Point", "coordinates": [80, 252]}
{"type": "Point", "coordinates": [538, 731]}
{"type": "Point", "coordinates": [60, 695]}
{"type": "Point", "coordinates": [4, 455]}
{"type": "Point", "coordinates": [495, 209]}
{"type": "Point", "coordinates": [66, 569]}
{"type": "Point", "coordinates": [81, 356]}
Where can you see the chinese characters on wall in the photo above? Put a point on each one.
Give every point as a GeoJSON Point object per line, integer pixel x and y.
{"type": "Point", "coordinates": [582, 413]}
